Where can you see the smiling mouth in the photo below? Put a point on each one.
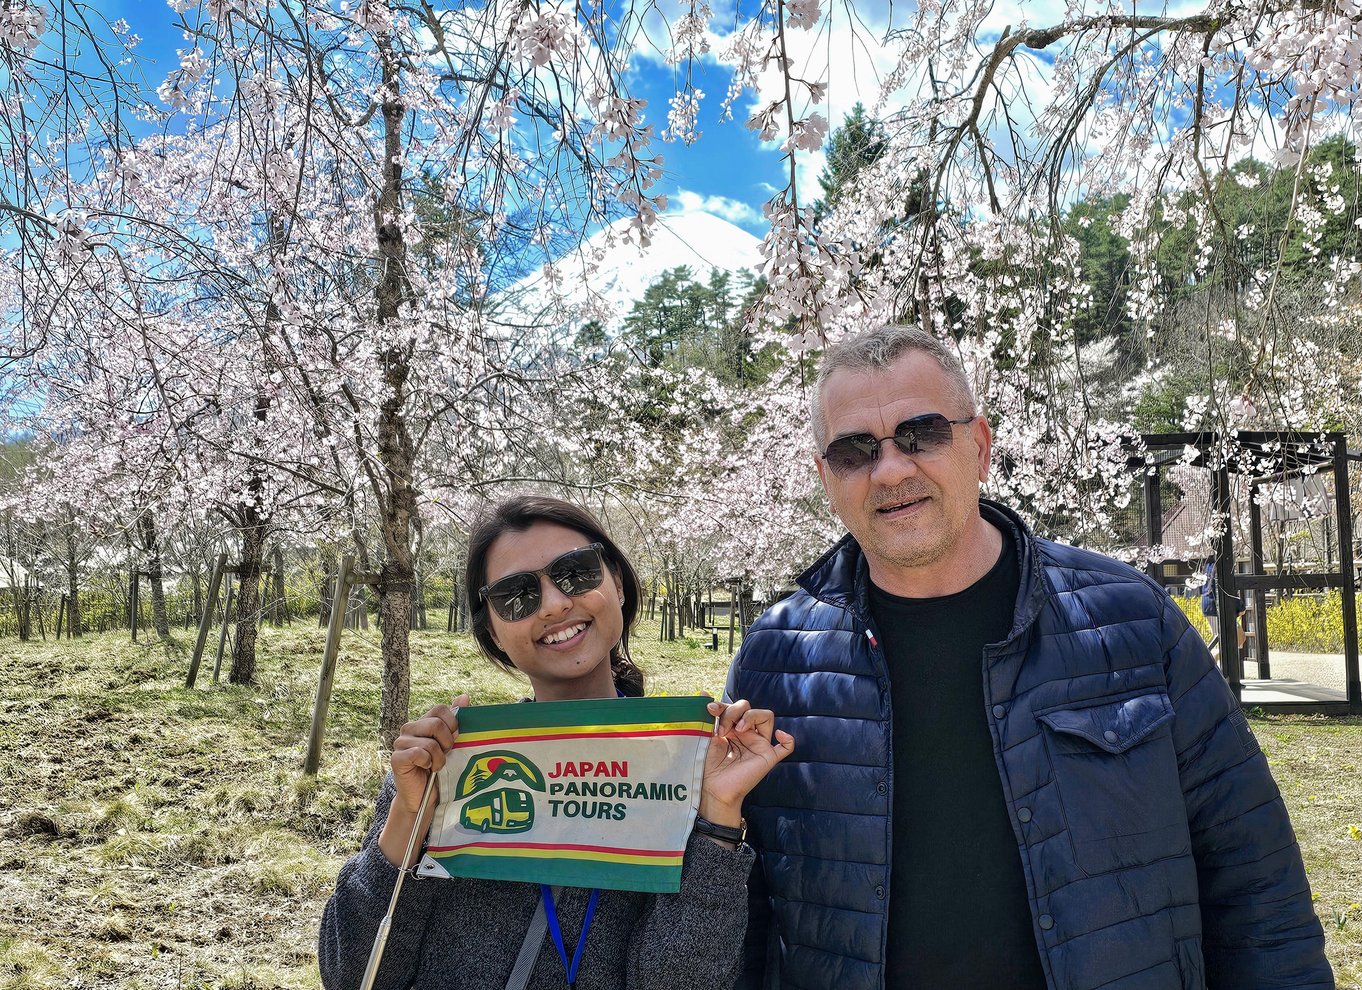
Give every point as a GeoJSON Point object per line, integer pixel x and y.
{"type": "Point", "coordinates": [899, 506]}
{"type": "Point", "coordinates": [564, 634]}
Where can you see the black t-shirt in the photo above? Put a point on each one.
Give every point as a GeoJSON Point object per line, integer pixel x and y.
{"type": "Point", "coordinates": [958, 914]}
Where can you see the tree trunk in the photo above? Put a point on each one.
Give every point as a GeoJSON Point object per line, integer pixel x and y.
{"type": "Point", "coordinates": [11, 574]}
{"type": "Point", "coordinates": [278, 606]}
{"type": "Point", "coordinates": [395, 495]}
{"type": "Point", "coordinates": [248, 598]}
{"type": "Point", "coordinates": [72, 580]}
{"type": "Point", "coordinates": [21, 609]}
{"type": "Point", "coordinates": [326, 591]}
{"type": "Point", "coordinates": [151, 543]}
{"type": "Point", "coordinates": [462, 622]}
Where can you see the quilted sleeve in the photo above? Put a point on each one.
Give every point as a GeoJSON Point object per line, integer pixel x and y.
{"type": "Point", "coordinates": [1259, 929]}
{"type": "Point", "coordinates": [752, 965]}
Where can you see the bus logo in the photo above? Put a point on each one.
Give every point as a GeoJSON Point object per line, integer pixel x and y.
{"type": "Point", "coordinates": [498, 809]}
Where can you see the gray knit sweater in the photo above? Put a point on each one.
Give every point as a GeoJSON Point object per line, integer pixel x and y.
{"type": "Point", "coordinates": [465, 934]}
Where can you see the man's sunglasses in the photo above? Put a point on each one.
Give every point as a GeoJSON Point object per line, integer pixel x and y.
{"type": "Point", "coordinates": [922, 435]}
{"type": "Point", "coordinates": [516, 596]}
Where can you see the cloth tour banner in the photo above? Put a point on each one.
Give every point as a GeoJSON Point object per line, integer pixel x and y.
{"type": "Point", "coordinates": [599, 793]}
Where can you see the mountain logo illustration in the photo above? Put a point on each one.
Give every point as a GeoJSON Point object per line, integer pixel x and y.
{"type": "Point", "coordinates": [503, 809]}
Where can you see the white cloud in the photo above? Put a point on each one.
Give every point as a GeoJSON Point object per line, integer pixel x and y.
{"type": "Point", "coordinates": [732, 210]}
{"type": "Point", "coordinates": [846, 51]}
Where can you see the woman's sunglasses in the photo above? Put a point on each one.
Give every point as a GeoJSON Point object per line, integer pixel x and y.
{"type": "Point", "coordinates": [922, 435]}
{"type": "Point", "coordinates": [517, 596]}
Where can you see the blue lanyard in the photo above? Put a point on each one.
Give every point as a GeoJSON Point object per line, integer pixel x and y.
{"type": "Point", "coordinates": [552, 912]}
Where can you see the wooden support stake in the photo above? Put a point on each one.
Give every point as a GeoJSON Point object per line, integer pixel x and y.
{"type": "Point", "coordinates": [210, 605]}
{"type": "Point", "coordinates": [340, 600]}
{"type": "Point", "coordinates": [61, 615]}
{"type": "Point", "coordinates": [226, 624]}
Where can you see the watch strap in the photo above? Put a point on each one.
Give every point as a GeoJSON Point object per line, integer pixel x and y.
{"type": "Point", "coordinates": [726, 832]}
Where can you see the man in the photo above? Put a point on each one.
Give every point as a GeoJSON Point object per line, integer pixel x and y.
{"type": "Point", "coordinates": [1017, 767]}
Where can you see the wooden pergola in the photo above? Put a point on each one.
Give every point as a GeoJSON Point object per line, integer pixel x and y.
{"type": "Point", "coordinates": [1266, 458]}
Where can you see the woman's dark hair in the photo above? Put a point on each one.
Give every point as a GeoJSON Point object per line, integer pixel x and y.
{"type": "Point", "coordinates": [517, 514]}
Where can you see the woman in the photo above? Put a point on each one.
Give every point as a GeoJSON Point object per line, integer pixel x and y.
{"type": "Point", "coordinates": [555, 601]}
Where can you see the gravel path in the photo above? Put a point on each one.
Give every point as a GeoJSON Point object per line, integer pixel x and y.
{"type": "Point", "coordinates": [1316, 677]}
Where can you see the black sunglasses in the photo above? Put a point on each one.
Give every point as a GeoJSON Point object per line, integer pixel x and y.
{"type": "Point", "coordinates": [922, 435]}
{"type": "Point", "coordinates": [516, 596]}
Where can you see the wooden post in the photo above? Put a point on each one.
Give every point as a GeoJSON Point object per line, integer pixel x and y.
{"type": "Point", "coordinates": [39, 602]}
{"type": "Point", "coordinates": [1261, 649]}
{"type": "Point", "coordinates": [328, 672]}
{"type": "Point", "coordinates": [61, 614]}
{"type": "Point", "coordinates": [1153, 518]}
{"type": "Point", "coordinates": [226, 624]}
{"type": "Point", "coordinates": [1227, 591]}
{"type": "Point", "coordinates": [1343, 510]}
{"type": "Point", "coordinates": [206, 620]}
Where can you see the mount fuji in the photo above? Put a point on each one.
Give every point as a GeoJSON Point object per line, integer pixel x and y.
{"type": "Point", "coordinates": [569, 294]}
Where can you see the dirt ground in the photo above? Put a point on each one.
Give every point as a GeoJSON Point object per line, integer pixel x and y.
{"type": "Point", "coordinates": [157, 837]}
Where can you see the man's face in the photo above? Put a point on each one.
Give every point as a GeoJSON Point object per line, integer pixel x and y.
{"type": "Point", "coordinates": [906, 511]}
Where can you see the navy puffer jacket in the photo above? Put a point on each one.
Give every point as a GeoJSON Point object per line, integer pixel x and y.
{"type": "Point", "coordinates": [1156, 848]}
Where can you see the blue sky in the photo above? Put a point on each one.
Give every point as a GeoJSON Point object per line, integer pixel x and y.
{"type": "Point", "coordinates": [728, 172]}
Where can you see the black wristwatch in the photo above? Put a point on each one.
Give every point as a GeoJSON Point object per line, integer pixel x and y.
{"type": "Point", "coordinates": [726, 832]}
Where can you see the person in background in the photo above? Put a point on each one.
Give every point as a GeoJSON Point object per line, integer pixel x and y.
{"type": "Point", "coordinates": [556, 601]}
{"type": "Point", "coordinates": [1018, 767]}
{"type": "Point", "coordinates": [1209, 594]}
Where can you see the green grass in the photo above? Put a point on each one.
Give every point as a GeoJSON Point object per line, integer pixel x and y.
{"type": "Point", "coordinates": [153, 836]}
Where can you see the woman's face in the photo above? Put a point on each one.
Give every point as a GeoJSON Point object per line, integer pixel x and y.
{"type": "Point", "coordinates": [564, 645]}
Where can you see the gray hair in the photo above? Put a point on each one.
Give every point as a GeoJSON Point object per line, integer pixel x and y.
{"type": "Point", "coordinates": [877, 350]}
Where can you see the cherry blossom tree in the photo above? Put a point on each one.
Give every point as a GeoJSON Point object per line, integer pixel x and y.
{"type": "Point", "coordinates": [270, 288]}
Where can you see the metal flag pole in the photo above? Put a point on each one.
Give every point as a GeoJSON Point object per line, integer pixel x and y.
{"type": "Point", "coordinates": [381, 938]}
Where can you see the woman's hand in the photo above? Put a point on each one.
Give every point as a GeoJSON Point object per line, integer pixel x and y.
{"type": "Point", "coordinates": [740, 754]}
{"type": "Point", "coordinates": [417, 753]}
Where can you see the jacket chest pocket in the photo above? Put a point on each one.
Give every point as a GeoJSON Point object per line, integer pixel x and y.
{"type": "Point", "coordinates": [1116, 772]}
